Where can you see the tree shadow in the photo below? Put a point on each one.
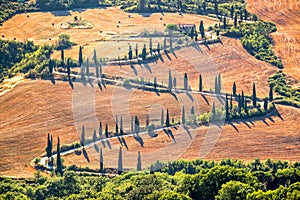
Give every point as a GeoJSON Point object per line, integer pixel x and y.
{"type": "Point", "coordinates": [60, 13]}
{"type": "Point", "coordinates": [96, 148]}
{"type": "Point", "coordinates": [247, 125]}
{"type": "Point", "coordinates": [90, 81]}
{"type": "Point", "coordinates": [188, 132]}
{"type": "Point", "coordinates": [271, 119]}
{"type": "Point", "coordinates": [197, 47]}
{"type": "Point", "coordinates": [85, 154]}
{"type": "Point", "coordinates": [205, 99]}
{"type": "Point", "coordinates": [221, 99]}
{"type": "Point", "coordinates": [103, 144]}
{"type": "Point", "coordinates": [235, 128]}
{"type": "Point", "coordinates": [52, 79]}
{"type": "Point", "coordinates": [120, 141]}
{"type": "Point", "coordinates": [265, 122]}
{"type": "Point", "coordinates": [160, 57]}
{"type": "Point", "coordinates": [174, 54]}
{"type": "Point", "coordinates": [174, 95]}
{"type": "Point", "coordinates": [170, 133]}
{"type": "Point", "coordinates": [146, 65]}
{"type": "Point", "coordinates": [166, 132]}
{"type": "Point", "coordinates": [99, 85]}
{"type": "Point", "coordinates": [139, 139]}
{"type": "Point", "coordinates": [71, 84]}
{"type": "Point", "coordinates": [190, 96]}
{"type": "Point", "coordinates": [157, 93]}
{"type": "Point", "coordinates": [103, 83]}
{"type": "Point", "coordinates": [168, 56]}
{"type": "Point", "coordinates": [124, 143]}
{"type": "Point", "coordinates": [205, 43]}
{"type": "Point", "coordinates": [108, 144]}
{"type": "Point", "coordinates": [133, 69]}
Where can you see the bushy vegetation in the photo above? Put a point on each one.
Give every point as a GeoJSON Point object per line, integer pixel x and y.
{"type": "Point", "coordinates": [10, 8]}
{"type": "Point", "coordinates": [287, 94]}
{"type": "Point", "coordinates": [12, 52]}
{"type": "Point", "coordinates": [62, 5]}
{"type": "Point", "coordinates": [197, 179]}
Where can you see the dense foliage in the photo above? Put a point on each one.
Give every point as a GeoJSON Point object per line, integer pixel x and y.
{"type": "Point", "coordinates": [287, 94]}
{"type": "Point", "coordinates": [256, 40]}
{"type": "Point", "coordinates": [10, 8]}
{"type": "Point", "coordinates": [197, 179]}
{"type": "Point", "coordinates": [12, 52]}
{"type": "Point", "coordinates": [62, 4]}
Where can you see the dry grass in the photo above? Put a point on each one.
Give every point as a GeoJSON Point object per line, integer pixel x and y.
{"type": "Point", "coordinates": [247, 141]}
{"type": "Point", "coordinates": [34, 108]}
{"type": "Point", "coordinates": [286, 15]}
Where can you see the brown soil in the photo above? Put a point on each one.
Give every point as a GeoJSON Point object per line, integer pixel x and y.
{"type": "Point", "coordinates": [229, 59]}
{"type": "Point", "coordinates": [34, 108]}
{"type": "Point", "coordinates": [286, 15]}
{"type": "Point", "coordinates": [245, 140]}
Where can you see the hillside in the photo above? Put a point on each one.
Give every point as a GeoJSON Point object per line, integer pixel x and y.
{"type": "Point", "coordinates": [286, 16]}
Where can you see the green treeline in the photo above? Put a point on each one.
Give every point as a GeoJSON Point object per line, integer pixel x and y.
{"type": "Point", "coordinates": [196, 179]}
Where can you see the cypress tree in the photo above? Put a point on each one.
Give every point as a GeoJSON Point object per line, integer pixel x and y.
{"type": "Point", "coordinates": [246, 107]}
{"type": "Point", "coordinates": [80, 60]}
{"type": "Point", "coordinates": [136, 50]}
{"type": "Point", "coordinates": [235, 20]}
{"type": "Point", "coordinates": [59, 167]}
{"type": "Point", "coordinates": [216, 7]}
{"type": "Point", "coordinates": [183, 115]}
{"type": "Point", "coordinates": [120, 162]}
{"type": "Point", "coordinates": [231, 102]}
{"type": "Point", "coordinates": [241, 15]}
{"type": "Point", "coordinates": [49, 147]}
{"type": "Point", "coordinates": [121, 127]}
{"type": "Point", "coordinates": [87, 67]}
{"type": "Point", "coordinates": [216, 85]}
{"type": "Point", "coordinates": [171, 44]}
{"type": "Point", "coordinates": [101, 162]}
{"type": "Point", "coordinates": [201, 29]}
{"type": "Point", "coordinates": [185, 81]}
{"type": "Point", "coordinates": [192, 110]}
{"type": "Point", "coordinates": [68, 68]}
{"type": "Point", "coordinates": [239, 103]}
{"type": "Point", "coordinates": [170, 81]}
{"type": "Point", "coordinates": [200, 83]}
{"type": "Point", "coordinates": [231, 11]}
{"type": "Point", "coordinates": [226, 108]}
{"type": "Point", "coordinates": [131, 124]}
{"type": "Point", "coordinates": [95, 59]}
{"type": "Point", "coordinates": [150, 46]}
{"type": "Point", "coordinates": [62, 54]}
{"type": "Point", "coordinates": [144, 52]}
{"type": "Point", "coordinates": [234, 89]}
{"type": "Point", "coordinates": [219, 83]}
{"type": "Point", "coordinates": [82, 136]}
{"type": "Point", "coordinates": [95, 136]}
{"type": "Point", "coordinates": [271, 93]}
{"type": "Point", "coordinates": [224, 23]}
{"type": "Point", "coordinates": [254, 95]}
{"type": "Point", "coordinates": [155, 83]}
{"type": "Point", "coordinates": [139, 162]}
{"type": "Point", "coordinates": [106, 131]}
{"type": "Point", "coordinates": [167, 119]}
{"type": "Point", "coordinates": [243, 99]}
{"type": "Point", "coordinates": [266, 104]}
{"type": "Point", "coordinates": [100, 69]}
{"type": "Point", "coordinates": [100, 129]}
{"type": "Point", "coordinates": [158, 47]}
{"type": "Point", "coordinates": [214, 110]}
{"type": "Point", "coordinates": [130, 53]}
{"type": "Point", "coordinates": [246, 14]}
{"type": "Point", "coordinates": [165, 43]}
{"type": "Point", "coordinates": [174, 82]}
{"type": "Point", "coordinates": [136, 125]}
{"type": "Point", "coordinates": [162, 120]}
{"type": "Point", "coordinates": [117, 126]}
